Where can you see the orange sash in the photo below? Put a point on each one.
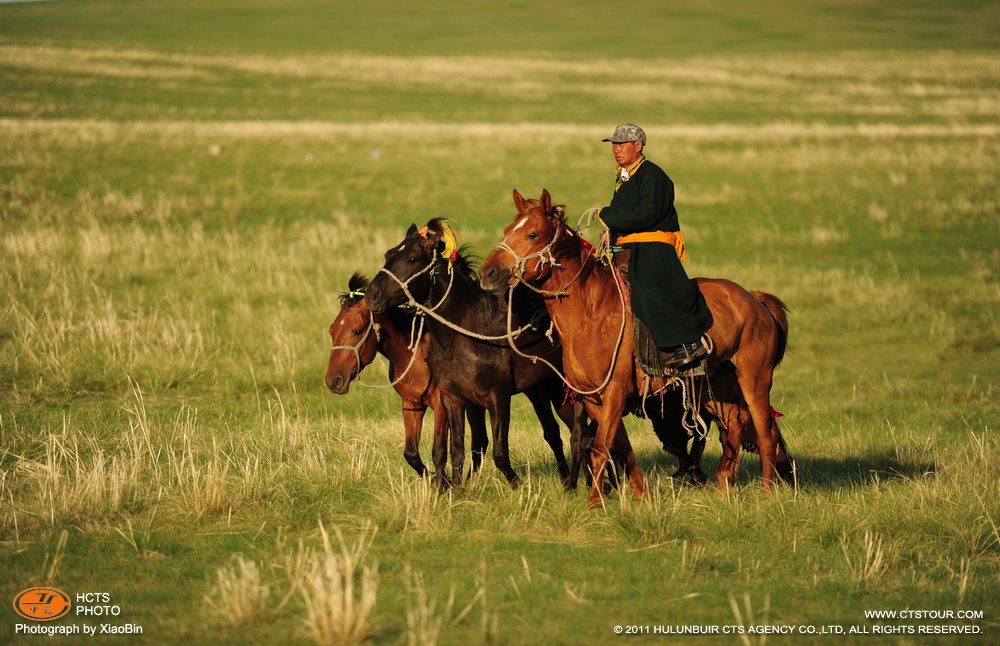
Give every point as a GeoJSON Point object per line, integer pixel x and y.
{"type": "Point", "coordinates": [673, 238]}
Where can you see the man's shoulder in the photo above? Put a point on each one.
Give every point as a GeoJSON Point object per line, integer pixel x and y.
{"type": "Point", "coordinates": [651, 170]}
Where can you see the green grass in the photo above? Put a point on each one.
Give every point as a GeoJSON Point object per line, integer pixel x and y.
{"type": "Point", "coordinates": [184, 189]}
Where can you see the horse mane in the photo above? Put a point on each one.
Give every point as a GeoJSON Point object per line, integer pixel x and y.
{"type": "Point", "coordinates": [356, 287]}
{"type": "Point", "coordinates": [465, 263]}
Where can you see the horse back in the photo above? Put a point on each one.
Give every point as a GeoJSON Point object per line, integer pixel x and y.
{"type": "Point", "coordinates": [735, 313]}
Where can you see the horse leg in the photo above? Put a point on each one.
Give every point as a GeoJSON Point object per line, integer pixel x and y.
{"type": "Point", "coordinates": [587, 448]}
{"type": "Point", "coordinates": [550, 427]}
{"type": "Point", "coordinates": [758, 398]}
{"type": "Point", "coordinates": [480, 440]}
{"type": "Point", "coordinates": [619, 460]}
{"type": "Point", "coordinates": [607, 429]}
{"type": "Point", "coordinates": [670, 431]}
{"type": "Point", "coordinates": [439, 450]}
{"type": "Point", "coordinates": [693, 470]}
{"type": "Point", "coordinates": [456, 424]}
{"type": "Point", "coordinates": [575, 437]}
{"type": "Point", "coordinates": [609, 426]}
{"type": "Point", "coordinates": [785, 464]}
{"type": "Point", "coordinates": [500, 420]}
{"type": "Point", "coordinates": [413, 420]}
{"type": "Point", "coordinates": [623, 447]}
{"type": "Point", "coordinates": [731, 419]}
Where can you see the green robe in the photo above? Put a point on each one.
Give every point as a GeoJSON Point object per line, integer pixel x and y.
{"type": "Point", "coordinates": [663, 297]}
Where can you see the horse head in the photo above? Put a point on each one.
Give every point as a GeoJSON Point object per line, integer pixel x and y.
{"type": "Point", "coordinates": [526, 252]}
{"type": "Point", "coordinates": [354, 336]}
{"type": "Point", "coordinates": [412, 265]}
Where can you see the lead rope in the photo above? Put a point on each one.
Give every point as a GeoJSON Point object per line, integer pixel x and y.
{"type": "Point", "coordinates": [423, 309]}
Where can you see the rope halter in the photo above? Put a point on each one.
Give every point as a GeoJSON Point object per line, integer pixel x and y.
{"type": "Point", "coordinates": [545, 257]}
{"type": "Point", "coordinates": [356, 348]}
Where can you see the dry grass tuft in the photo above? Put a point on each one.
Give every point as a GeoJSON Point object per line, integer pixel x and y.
{"type": "Point", "coordinates": [340, 593]}
{"type": "Point", "coordinates": [424, 621]}
{"type": "Point", "coordinates": [868, 561]}
{"type": "Point", "coordinates": [239, 596]}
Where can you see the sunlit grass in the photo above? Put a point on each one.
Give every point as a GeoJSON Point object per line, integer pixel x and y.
{"type": "Point", "coordinates": [170, 264]}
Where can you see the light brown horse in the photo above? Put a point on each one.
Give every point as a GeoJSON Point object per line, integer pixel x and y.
{"type": "Point", "coordinates": [595, 325]}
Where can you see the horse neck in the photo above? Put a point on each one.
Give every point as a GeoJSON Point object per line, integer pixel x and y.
{"type": "Point", "coordinates": [394, 342]}
{"type": "Point", "coordinates": [463, 301]}
{"type": "Point", "coordinates": [588, 287]}
{"type": "Point", "coordinates": [452, 293]}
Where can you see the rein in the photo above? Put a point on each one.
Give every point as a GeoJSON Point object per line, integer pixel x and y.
{"type": "Point", "coordinates": [431, 311]}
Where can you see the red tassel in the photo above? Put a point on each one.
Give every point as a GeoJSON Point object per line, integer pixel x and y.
{"type": "Point", "coordinates": [775, 414]}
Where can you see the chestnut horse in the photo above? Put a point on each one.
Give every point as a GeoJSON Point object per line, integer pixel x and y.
{"type": "Point", "coordinates": [358, 334]}
{"type": "Point", "coordinates": [541, 249]}
{"type": "Point", "coordinates": [472, 371]}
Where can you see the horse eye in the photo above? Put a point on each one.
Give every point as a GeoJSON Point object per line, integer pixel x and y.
{"type": "Point", "coordinates": [532, 235]}
{"type": "Point", "coordinates": [412, 260]}
{"type": "Point", "coordinates": [358, 331]}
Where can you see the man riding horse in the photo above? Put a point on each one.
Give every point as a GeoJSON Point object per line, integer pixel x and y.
{"type": "Point", "coordinates": [643, 220]}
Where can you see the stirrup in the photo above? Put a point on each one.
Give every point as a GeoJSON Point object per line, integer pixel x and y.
{"type": "Point", "coordinates": [681, 357]}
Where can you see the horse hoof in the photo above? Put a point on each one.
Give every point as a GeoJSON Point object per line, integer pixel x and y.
{"type": "Point", "coordinates": [692, 476]}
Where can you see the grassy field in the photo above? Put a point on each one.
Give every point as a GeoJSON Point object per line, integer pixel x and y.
{"type": "Point", "coordinates": [185, 187]}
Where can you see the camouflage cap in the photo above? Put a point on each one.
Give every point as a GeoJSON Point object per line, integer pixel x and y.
{"type": "Point", "coordinates": [627, 132]}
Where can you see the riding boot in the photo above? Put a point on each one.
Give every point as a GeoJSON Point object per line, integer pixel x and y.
{"type": "Point", "coordinates": [684, 354]}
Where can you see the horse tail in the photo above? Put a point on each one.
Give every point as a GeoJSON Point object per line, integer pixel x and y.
{"type": "Point", "coordinates": [779, 312]}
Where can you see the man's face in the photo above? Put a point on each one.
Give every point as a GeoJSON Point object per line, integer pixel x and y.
{"type": "Point", "coordinates": [627, 153]}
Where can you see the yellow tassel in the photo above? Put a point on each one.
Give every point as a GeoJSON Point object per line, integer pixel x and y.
{"type": "Point", "coordinates": [450, 251]}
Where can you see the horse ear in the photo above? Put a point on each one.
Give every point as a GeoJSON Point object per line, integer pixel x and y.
{"type": "Point", "coordinates": [546, 201]}
{"type": "Point", "coordinates": [412, 230]}
{"type": "Point", "coordinates": [519, 201]}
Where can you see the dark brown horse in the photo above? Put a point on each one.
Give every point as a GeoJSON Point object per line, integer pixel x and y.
{"type": "Point", "coordinates": [357, 335]}
{"type": "Point", "coordinates": [596, 329]}
{"type": "Point", "coordinates": [472, 371]}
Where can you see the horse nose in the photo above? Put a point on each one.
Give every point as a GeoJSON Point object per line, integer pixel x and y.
{"type": "Point", "coordinates": [335, 384]}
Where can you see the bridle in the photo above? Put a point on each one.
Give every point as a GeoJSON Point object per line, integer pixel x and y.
{"type": "Point", "coordinates": [356, 348]}
{"type": "Point", "coordinates": [544, 255]}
